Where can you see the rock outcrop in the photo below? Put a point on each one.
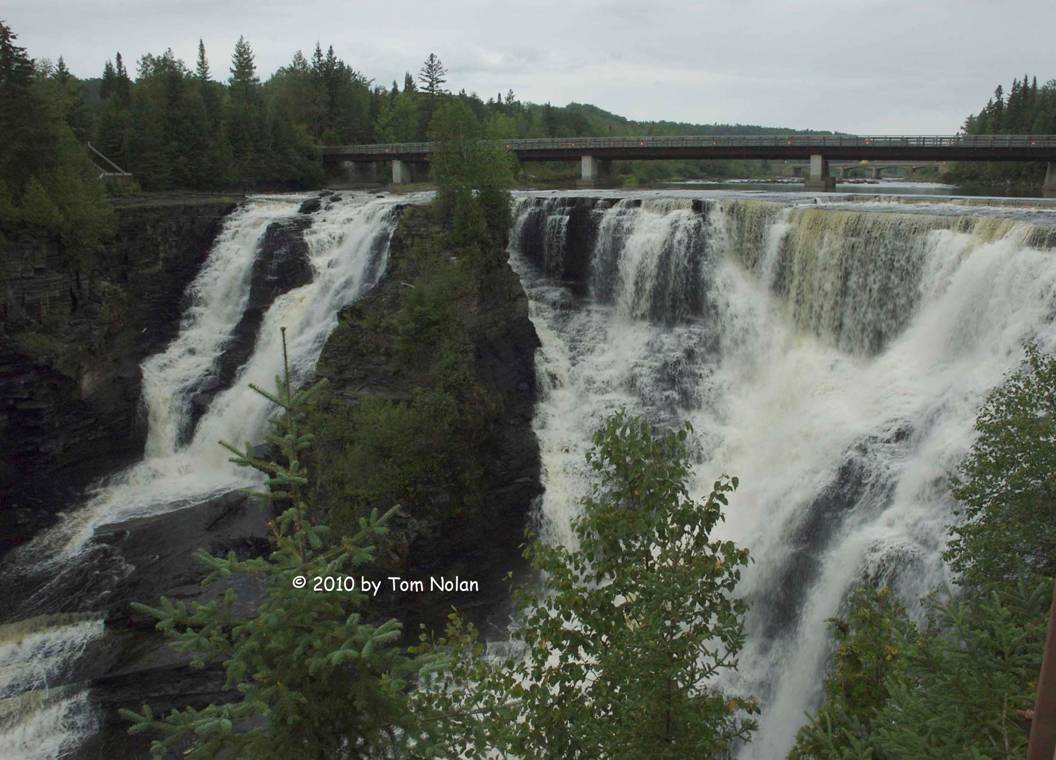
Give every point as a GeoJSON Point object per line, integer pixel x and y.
{"type": "Point", "coordinates": [71, 341]}
{"type": "Point", "coordinates": [359, 363]}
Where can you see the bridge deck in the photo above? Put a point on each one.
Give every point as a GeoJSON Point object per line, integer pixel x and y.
{"type": "Point", "coordinates": [833, 147]}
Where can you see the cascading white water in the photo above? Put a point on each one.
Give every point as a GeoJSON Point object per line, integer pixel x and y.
{"type": "Point", "coordinates": [347, 251]}
{"type": "Point", "coordinates": [347, 243]}
{"type": "Point", "coordinates": [833, 359]}
{"type": "Point", "coordinates": [33, 653]}
{"type": "Point", "coordinates": [218, 297]}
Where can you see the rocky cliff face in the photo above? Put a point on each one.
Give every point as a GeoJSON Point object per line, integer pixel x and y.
{"type": "Point", "coordinates": [71, 341]}
{"type": "Point", "coordinates": [70, 396]}
{"type": "Point", "coordinates": [362, 363]}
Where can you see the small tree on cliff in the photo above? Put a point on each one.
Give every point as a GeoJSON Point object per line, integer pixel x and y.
{"type": "Point", "coordinates": [472, 177]}
{"type": "Point", "coordinates": [318, 680]}
{"type": "Point", "coordinates": [621, 651]}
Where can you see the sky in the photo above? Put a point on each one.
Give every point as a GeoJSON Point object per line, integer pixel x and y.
{"type": "Point", "coordinates": [859, 66]}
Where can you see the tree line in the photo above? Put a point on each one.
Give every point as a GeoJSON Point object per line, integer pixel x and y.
{"type": "Point", "coordinates": [1026, 108]}
{"type": "Point", "coordinates": [200, 126]}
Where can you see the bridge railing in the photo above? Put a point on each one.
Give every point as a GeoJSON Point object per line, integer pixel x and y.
{"type": "Point", "coordinates": [700, 141]}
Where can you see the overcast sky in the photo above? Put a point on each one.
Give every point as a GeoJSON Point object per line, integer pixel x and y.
{"type": "Point", "coordinates": [863, 66]}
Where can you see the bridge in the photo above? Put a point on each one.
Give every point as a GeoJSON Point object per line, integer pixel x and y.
{"type": "Point", "coordinates": [870, 169]}
{"type": "Point", "coordinates": [596, 153]}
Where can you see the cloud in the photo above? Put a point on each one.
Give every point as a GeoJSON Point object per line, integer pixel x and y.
{"type": "Point", "coordinates": [877, 66]}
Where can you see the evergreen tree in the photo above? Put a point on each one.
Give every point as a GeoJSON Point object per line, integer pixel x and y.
{"type": "Point", "coordinates": [243, 79]}
{"type": "Point", "coordinates": [398, 120]}
{"type": "Point", "coordinates": [122, 85]}
{"type": "Point", "coordinates": [62, 74]}
{"type": "Point", "coordinates": [318, 678]}
{"type": "Point", "coordinates": [106, 87]}
{"type": "Point", "coordinates": [472, 178]}
{"type": "Point", "coordinates": [245, 118]}
{"type": "Point", "coordinates": [201, 70]}
{"type": "Point", "coordinates": [1005, 486]}
{"type": "Point", "coordinates": [432, 76]}
{"type": "Point", "coordinates": [19, 116]}
{"type": "Point", "coordinates": [621, 653]}
{"type": "Point", "coordinates": [408, 83]}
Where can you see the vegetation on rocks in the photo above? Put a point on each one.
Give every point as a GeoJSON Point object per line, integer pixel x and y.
{"type": "Point", "coordinates": [961, 682]}
{"type": "Point", "coordinates": [621, 651]}
{"type": "Point", "coordinates": [319, 677]}
{"type": "Point", "coordinates": [419, 441]}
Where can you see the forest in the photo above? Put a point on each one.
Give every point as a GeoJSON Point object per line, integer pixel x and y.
{"type": "Point", "coordinates": [214, 127]}
{"type": "Point", "coordinates": [1026, 109]}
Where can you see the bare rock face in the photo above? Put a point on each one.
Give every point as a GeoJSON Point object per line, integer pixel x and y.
{"type": "Point", "coordinates": [72, 337]}
{"type": "Point", "coordinates": [141, 560]}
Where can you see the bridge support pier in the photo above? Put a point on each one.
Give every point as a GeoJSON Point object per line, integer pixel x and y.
{"type": "Point", "coordinates": [819, 180]}
{"type": "Point", "coordinates": [361, 173]}
{"type": "Point", "coordinates": [593, 170]}
{"type": "Point", "coordinates": [401, 172]}
{"type": "Point", "coordinates": [1049, 188]}
{"type": "Point", "coordinates": [876, 172]}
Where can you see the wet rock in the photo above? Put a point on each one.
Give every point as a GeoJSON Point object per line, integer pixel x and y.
{"type": "Point", "coordinates": [281, 265]}
{"type": "Point", "coordinates": [72, 336]}
{"type": "Point", "coordinates": [135, 664]}
{"type": "Point", "coordinates": [483, 545]}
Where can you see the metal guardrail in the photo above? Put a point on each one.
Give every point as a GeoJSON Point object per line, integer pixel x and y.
{"type": "Point", "coordinates": [117, 170]}
{"type": "Point", "coordinates": [704, 141]}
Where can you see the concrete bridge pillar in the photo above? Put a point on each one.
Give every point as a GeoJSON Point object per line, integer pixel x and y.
{"type": "Point", "coordinates": [401, 172]}
{"type": "Point", "coordinates": [876, 172]}
{"type": "Point", "coordinates": [1049, 188]}
{"type": "Point", "coordinates": [362, 173]}
{"type": "Point", "coordinates": [820, 179]}
{"type": "Point", "coordinates": [593, 170]}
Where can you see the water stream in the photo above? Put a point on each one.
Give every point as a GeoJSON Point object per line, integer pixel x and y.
{"type": "Point", "coordinates": [832, 357]}
{"type": "Point", "coordinates": [44, 710]}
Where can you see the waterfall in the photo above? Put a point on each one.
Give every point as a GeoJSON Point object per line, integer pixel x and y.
{"type": "Point", "coordinates": [832, 358]}
{"type": "Point", "coordinates": [44, 710]}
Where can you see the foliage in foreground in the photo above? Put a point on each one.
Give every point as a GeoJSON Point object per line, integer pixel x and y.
{"type": "Point", "coordinates": [620, 653]}
{"type": "Point", "coordinates": [959, 685]}
{"type": "Point", "coordinates": [318, 678]}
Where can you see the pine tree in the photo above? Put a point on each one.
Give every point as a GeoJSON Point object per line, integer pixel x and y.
{"type": "Point", "coordinates": [106, 87]}
{"type": "Point", "coordinates": [408, 83]}
{"type": "Point", "coordinates": [20, 116]}
{"type": "Point", "coordinates": [122, 85]}
{"type": "Point", "coordinates": [243, 79]}
{"type": "Point", "coordinates": [201, 70]}
{"type": "Point", "coordinates": [432, 76]}
{"type": "Point", "coordinates": [317, 678]}
{"type": "Point", "coordinates": [620, 656]}
{"type": "Point", "coordinates": [62, 74]}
